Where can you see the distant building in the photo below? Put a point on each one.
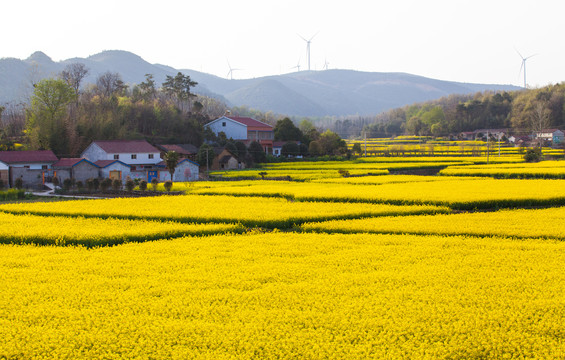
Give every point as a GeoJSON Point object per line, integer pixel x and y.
{"type": "Point", "coordinates": [33, 167]}
{"type": "Point", "coordinates": [79, 169]}
{"type": "Point", "coordinates": [553, 136]}
{"type": "Point", "coordinates": [138, 154]}
{"type": "Point", "coordinates": [244, 129]}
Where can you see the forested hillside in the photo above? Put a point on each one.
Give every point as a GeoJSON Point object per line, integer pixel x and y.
{"type": "Point", "coordinates": [523, 111]}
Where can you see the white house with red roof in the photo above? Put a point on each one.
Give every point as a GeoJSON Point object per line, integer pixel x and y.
{"type": "Point", "coordinates": [244, 129]}
{"type": "Point", "coordinates": [33, 167]}
{"type": "Point", "coordinates": [136, 153]}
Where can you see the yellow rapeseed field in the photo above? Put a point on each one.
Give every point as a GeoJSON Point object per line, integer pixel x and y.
{"type": "Point", "coordinates": [458, 194]}
{"type": "Point", "coordinates": [286, 295]}
{"type": "Point", "coordinates": [249, 211]}
{"type": "Point", "coordinates": [521, 223]}
{"type": "Point", "coordinates": [59, 230]}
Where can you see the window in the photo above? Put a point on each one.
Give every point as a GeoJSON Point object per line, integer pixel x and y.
{"type": "Point", "coordinates": [150, 156]}
{"type": "Point", "coordinates": [133, 168]}
{"type": "Point", "coordinates": [223, 123]}
{"type": "Point", "coordinates": [44, 167]}
{"type": "Point", "coordinates": [116, 156]}
{"type": "Point", "coordinates": [133, 156]}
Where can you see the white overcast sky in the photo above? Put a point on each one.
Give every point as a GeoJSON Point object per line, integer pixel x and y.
{"type": "Point", "coordinates": [458, 40]}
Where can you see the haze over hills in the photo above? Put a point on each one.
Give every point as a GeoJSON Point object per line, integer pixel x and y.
{"type": "Point", "coordinates": [304, 93]}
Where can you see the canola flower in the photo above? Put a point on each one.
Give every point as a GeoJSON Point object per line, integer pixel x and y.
{"type": "Point", "coordinates": [249, 211]}
{"type": "Point", "coordinates": [521, 223]}
{"type": "Point", "coordinates": [58, 230]}
{"type": "Point", "coordinates": [286, 295]}
{"type": "Point", "coordinates": [390, 179]}
{"type": "Point", "coordinates": [543, 169]}
{"type": "Point", "coordinates": [300, 175]}
{"type": "Point", "coordinates": [465, 194]}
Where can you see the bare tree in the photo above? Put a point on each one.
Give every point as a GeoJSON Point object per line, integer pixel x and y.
{"type": "Point", "coordinates": [110, 83]}
{"type": "Point", "coordinates": [540, 121]}
{"type": "Point", "coordinates": [73, 74]}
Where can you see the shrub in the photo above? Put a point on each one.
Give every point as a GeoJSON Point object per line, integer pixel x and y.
{"type": "Point", "coordinates": [168, 185]}
{"type": "Point", "coordinates": [90, 184]}
{"type": "Point", "coordinates": [533, 155]}
{"type": "Point", "coordinates": [105, 184]}
{"type": "Point", "coordinates": [2, 185]}
{"type": "Point", "coordinates": [56, 181]}
{"type": "Point", "coordinates": [343, 172]}
{"type": "Point", "coordinates": [67, 184]}
{"type": "Point", "coordinates": [80, 185]}
{"type": "Point", "coordinates": [143, 185]}
{"type": "Point", "coordinates": [130, 184]}
{"type": "Point", "coordinates": [96, 183]}
{"type": "Point", "coordinates": [154, 183]}
{"type": "Point", "coordinates": [116, 184]}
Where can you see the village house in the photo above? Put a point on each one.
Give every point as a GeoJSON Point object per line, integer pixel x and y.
{"type": "Point", "coordinates": [33, 167]}
{"type": "Point", "coordinates": [78, 169]}
{"type": "Point", "coordinates": [186, 170]}
{"type": "Point", "coordinates": [552, 136]}
{"type": "Point", "coordinates": [140, 158]}
{"type": "Point", "coordinates": [244, 129]}
{"type": "Point", "coordinates": [226, 160]}
{"type": "Point", "coordinates": [185, 151]}
{"type": "Point", "coordinates": [113, 169]}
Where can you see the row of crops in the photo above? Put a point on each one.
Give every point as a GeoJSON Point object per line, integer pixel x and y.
{"type": "Point", "coordinates": [452, 266]}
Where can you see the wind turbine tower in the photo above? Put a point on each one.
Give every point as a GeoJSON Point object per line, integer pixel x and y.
{"type": "Point", "coordinates": [308, 47]}
{"type": "Point", "coordinates": [230, 73]}
{"type": "Point", "coordinates": [523, 66]}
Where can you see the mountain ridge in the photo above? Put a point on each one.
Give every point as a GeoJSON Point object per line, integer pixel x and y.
{"type": "Point", "coordinates": [333, 92]}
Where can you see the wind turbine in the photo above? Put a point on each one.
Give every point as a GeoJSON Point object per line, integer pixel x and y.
{"type": "Point", "coordinates": [297, 66]}
{"type": "Point", "coordinates": [308, 47]}
{"type": "Point", "coordinates": [326, 63]}
{"type": "Point", "coordinates": [230, 73]}
{"type": "Point", "coordinates": [523, 66]}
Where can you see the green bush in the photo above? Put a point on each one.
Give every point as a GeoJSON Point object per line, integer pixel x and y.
{"type": "Point", "coordinates": [105, 184]}
{"type": "Point", "coordinates": [143, 185]}
{"type": "Point", "coordinates": [116, 184]}
{"type": "Point", "coordinates": [130, 184]}
{"type": "Point", "coordinates": [533, 155]}
{"type": "Point", "coordinates": [19, 183]}
{"type": "Point", "coordinates": [168, 185]}
{"type": "Point", "coordinates": [154, 183]}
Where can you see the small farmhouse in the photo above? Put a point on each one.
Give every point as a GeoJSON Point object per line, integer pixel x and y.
{"type": "Point", "coordinates": [186, 170]}
{"type": "Point", "coordinates": [244, 129]}
{"type": "Point", "coordinates": [33, 167]}
{"type": "Point", "coordinates": [553, 136]}
{"type": "Point", "coordinates": [113, 169]}
{"type": "Point", "coordinates": [79, 169]}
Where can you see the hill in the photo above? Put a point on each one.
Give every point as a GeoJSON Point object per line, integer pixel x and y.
{"type": "Point", "coordinates": [305, 93]}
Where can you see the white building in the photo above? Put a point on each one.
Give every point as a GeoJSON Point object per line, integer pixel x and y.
{"type": "Point", "coordinates": [138, 154]}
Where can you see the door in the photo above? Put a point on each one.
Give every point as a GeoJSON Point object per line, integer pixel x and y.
{"type": "Point", "coordinates": [115, 175]}
{"type": "Point", "coordinates": [152, 174]}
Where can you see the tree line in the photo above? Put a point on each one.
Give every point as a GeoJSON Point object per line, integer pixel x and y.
{"type": "Point", "coordinates": [65, 116]}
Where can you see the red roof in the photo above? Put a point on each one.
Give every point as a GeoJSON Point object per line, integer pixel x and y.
{"type": "Point", "coordinates": [180, 149]}
{"type": "Point", "coordinates": [104, 163]}
{"type": "Point", "coordinates": [68, 162]}
{"type": "Point", "coordinates": [250, 122]}
{"type": "Point", "coordinates": [126, 146]}
{"type": "Point", "coordinates": [37, 156]}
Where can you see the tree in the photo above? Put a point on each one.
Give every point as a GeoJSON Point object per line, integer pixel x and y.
{"type": "Point", "coordinates": [257, 152]}
{"type": "Point", "coordinates": [206, 155]}
{"type": "Point", "coordinates": [332, 144]}
{"type": "Point", "coordinates": [357, 148]}
{"type": "Point", "coordinates": [73, 74]}
{"type": "Point", "coordinates": [179, 87]}
{"type": "Point", "coordinates": [109, 84]}
{"type": "Point", "coordinates": [171, 158]}
{"type": "Point", "coordinates": [45, 120]}
{"type": "Point", "coordinates": [147, 87]}
{"type": "Point", "coordinates": [315, 149]}
{"type": "Point", "coordinates": [539, 121]}
{"type": "Point", "coordinates": [290, 149]}
{"type": "Point", "coordinates": [285, 130]}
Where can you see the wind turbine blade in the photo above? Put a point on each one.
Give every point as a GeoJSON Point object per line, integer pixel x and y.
{"type": "Point", "coordinates": [519, 53]}
{"type": "Point", "coordinates": [302, 37]}
{"type": "Point", "coordinates": [314, 35]}
{"type": "Point", "coordinates": [530, 56]}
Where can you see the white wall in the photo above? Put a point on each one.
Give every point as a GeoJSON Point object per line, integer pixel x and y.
{"type": "Point", "coordinates": [232, 129]}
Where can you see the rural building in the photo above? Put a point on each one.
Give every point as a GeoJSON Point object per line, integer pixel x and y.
{"type": "Point", "coordinates": [33, 167]}
{"type": "Point", "coordinates": [113, 169]}
{"type": "Point", "coordinates": [226, 160]}
{"type": "Point", "coordinates": [553, 136]}
{"type": "Point", "coordinates": [75, 168]}
{"type": "Point", "coordinates": [138, 154]}
{"type": "Point", "coordinates": [186, 170]}
{"type": "Point", "coordinates": [185, 151]}
{"type": "Point", "coordinates": [5, 173]}
{"type": "Point", "coordinates": [244, 129]}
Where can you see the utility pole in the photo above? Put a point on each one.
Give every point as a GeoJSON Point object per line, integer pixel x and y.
{"type": "Point", "coordinates": [488, 152]}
